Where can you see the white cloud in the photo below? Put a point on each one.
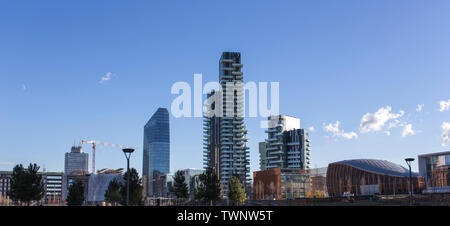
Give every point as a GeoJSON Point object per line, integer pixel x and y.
{"type": "Point", "coordinates": [393, 124]}
{"type": "Point", "coordinates": [420, 107]}
{"type": "Point", "coordinates": [388, 133]}
{"type": "Point", "coordinates": [445, 133]}
{"type": "Point", "coordinates": [107, 77]}
{"type": "Point", "coordinates": [311, 129]}
{"type": "Point", "coordinates": [407, 130]}
{"type": "Point", "coordinates": [376, 121]}
{"type": "Point", "coordinates": [334, 129]}
{"type": "Point", "coordinates": [444, 105]}
{"type": "Point", "coordinates": [24, 87]}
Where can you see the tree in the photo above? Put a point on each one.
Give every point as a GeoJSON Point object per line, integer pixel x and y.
{"type": "Point", "coordinates": [112, 194]}
{"type": "Point", "coordinates": [208, 189]}
{"type": "Point", "coordinates": [136, 198]}
{"type": "Point", "coordinates": [76, 194]}
{"type": "Point", "coordinates": [26, 185]}
{"type": "Point", "coordinates": [180, 187]}
{"type": "Point", "coordinates": [237, 191]}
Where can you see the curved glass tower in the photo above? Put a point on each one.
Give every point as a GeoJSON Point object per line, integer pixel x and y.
{"type": "Point", "coordinates": [156, 147]}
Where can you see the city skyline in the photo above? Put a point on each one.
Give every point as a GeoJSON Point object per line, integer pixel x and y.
{"type": "Point", "coordinates": [368, 88]}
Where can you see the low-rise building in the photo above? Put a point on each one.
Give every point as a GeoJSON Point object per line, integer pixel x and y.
{"type": "Point", "coordinates": [277, 183]}
{"type": "Point", "coordinates": [431, 161]}
{"type": "Point", "coordinates": [369, 177]}
{"type": "Point", "coordinates": [53, 185]}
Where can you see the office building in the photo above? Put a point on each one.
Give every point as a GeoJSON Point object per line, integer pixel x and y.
{"type": "Point", "coordinates": [160, 186]}
{"type": "Point", "coordinates": [286, 146]}
{"type": "Point", "coordinates": [281, 184]}
{"type": "Point", "coordinates": [369, 177]}
{"type": "Point", "coordinates": [430, 162]}
{"type": "Point", "coordinates": [75, 162]}
{"type": "Point", "coordinates": [53, 187]}
{"type": "Point", "coordinates": [5, 182]}
{"type": "Point", "coordinates": [441, 176]}
{"type": "Point", "coordinates": [52, 181]}
{"type": "Point", "coordinates": [225, 144]}
{"type": "Point", "coordinates": [156, 147]}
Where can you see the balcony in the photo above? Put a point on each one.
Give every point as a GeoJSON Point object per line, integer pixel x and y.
{"type": "Point", "coordinates": [225, 60]}
{"type": "Point", "coordinates": [270, 130]}
{"type": "Point", "coordinates": [272, 148]}
{"type": "Point", "coordinates": [227, 76]}
{"type": "Point", "coordinates": [275, 153]}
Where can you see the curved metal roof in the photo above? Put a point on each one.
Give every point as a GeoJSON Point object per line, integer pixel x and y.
{"type": "Point", "coordinates": [379, 167]}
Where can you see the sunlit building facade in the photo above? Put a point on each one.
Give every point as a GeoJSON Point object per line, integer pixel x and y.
{"type": "Point", "coordinates": [358, 177]}
{"type": "Point", "coordinates": [429, 162]}
{"type": "Point", "coordinates": [225, 142]}
{"type": "Point", "coordinates": [286, 146]}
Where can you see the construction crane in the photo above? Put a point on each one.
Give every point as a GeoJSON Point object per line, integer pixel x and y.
{"type": "Point", "coordinates": [95, 143]}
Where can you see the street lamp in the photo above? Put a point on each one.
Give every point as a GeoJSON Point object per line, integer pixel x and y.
{"type": "Point", "coordinates": [408, 161]}
{"type": "Point", "coordinates": [127, 152]}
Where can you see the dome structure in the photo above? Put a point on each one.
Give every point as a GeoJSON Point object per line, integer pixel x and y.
{"type": "Point", "coordinates": [369, 177]}
{"type": "Point", "coordinates": [379, 167]}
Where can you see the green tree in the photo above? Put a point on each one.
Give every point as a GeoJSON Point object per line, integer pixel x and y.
{"type": "Point", "coordinates": [237, 191]}
{"type": "Point", "coordinates": [112, 194]}
{"type": "Point", "coordinates": [76, 194]}
{"type": "Point", "coordinates": [136, 188]}
{"type": "Point", "coordinates": [208, 189]}
{"type": "Point", "coordinates": [180, 187]}
{"type": "Point", "coordinates": [26, 185]}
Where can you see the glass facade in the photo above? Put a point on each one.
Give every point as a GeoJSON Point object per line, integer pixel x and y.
{"type": "Point", "coordinates": [156, 147]}
{"type": "Point", "coordinates": [294, 185]}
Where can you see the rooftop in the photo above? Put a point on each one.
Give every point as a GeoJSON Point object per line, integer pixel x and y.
{"type": "Point", "coordinates": [379, 167]}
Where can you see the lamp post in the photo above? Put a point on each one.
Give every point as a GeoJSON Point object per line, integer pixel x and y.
{"type": "Point", "coordinates": [127, 152]}
{"type": "Point", "coordinates": [408, 161]}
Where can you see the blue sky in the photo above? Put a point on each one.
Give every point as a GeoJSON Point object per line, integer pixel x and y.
{"type": "Point", "coordinates": [334, 60]}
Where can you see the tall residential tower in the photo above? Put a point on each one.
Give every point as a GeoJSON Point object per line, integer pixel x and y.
{"type": "Point", "coordinates": [287, 146]}
{"type": "Point", "coordinates": [225, 149]}
{"type": "Point", "coordinates": [156, 148]}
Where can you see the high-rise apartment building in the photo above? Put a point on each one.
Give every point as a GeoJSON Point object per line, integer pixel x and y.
{"type": "Point", "coordinates": [286, 146]}
{"type": "Point", "coordinates": [262, 155]}
{"type": "Point", "coordinates": [225, 149]}
{"type": "Point", "coordinates": [156, 147]}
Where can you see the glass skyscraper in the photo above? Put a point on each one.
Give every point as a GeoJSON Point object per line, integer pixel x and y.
{"type": "Point", "coordinates": [156, 147]}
